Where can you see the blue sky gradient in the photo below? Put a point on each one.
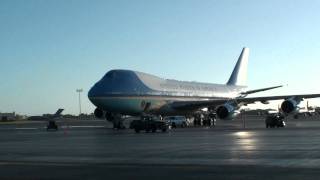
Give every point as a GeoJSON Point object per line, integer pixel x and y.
{"type": "Point", "coordinates": [48, 49]}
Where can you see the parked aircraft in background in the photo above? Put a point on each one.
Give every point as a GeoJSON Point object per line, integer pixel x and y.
{"type": "Point", "coordinates": [305, 111]}
{"type": "Point", "coordinates": [126, 92]}
{"type": "Point", "coordinates": [47, 117]}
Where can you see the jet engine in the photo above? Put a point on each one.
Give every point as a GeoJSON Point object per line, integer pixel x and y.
{"type": "Point", "coordinates": [227, 112]}
{"type": "Point", "coordinates": [289, 106]}
{"type": "Point", "coordinates": [98, 113]}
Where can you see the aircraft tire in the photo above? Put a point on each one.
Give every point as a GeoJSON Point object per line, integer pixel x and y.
{"type": "Point", "coordinates": [137, 130]}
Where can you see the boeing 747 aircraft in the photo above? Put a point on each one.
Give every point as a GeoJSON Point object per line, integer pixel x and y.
{"type": "Point", "coordinates": [126, 92]}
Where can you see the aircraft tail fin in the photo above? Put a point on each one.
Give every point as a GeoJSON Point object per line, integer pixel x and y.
{"type": "Point", "coordinates": [239, 73]}
{"type": "Point", "coordinates": [58, 113]}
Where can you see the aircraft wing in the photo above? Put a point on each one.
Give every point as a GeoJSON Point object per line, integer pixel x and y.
{"type": "Point", "coordinates": [298, 97]}
{"type": "Point", "coordinates": [190, 105]}
{"type": "Point", "coordinates": [260, 90]}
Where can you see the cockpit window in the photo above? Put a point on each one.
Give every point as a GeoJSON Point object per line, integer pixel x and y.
{"type": "Point", "coordinates": [110, 75]}
{"type": "Point", "coordinates": [118, 76]}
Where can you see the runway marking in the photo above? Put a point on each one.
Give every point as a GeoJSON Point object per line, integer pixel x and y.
{"type": "Point", "coordinates": [83, 126]}
{"type": "Point", "coordinates": [26, 128]}
{"type": "Point", "coordinates": [28, 163]}
{"type": "Point", "coordinates": [39, 128]}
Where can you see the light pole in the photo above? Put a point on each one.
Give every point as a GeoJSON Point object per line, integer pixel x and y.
{"type": "Point", "coordinates": [79, 91]}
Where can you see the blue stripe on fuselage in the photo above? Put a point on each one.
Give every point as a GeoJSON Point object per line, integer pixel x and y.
{"type": "Point", "coordinates": [135, 105]}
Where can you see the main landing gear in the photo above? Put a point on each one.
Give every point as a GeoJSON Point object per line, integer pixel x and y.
{"type": "Point", "coordinates": [116, 120]}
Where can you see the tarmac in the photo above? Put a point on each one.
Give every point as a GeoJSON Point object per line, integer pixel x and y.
{"type": "Point", "coordinates": [91, 150]}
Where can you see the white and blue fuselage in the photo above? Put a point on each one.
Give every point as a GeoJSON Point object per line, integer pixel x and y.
{"type": "Point", "coordinates": [133, 93]}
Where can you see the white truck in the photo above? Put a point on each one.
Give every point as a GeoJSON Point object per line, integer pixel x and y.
{"type": "Point", "coordinates": [176, 121]}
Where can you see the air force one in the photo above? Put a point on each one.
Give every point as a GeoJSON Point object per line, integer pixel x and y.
{"type": "Point", "coordinates": [126, 92]}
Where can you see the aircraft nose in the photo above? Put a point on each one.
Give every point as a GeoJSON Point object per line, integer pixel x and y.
{"type": "Point", "coordinates": [92, 92]}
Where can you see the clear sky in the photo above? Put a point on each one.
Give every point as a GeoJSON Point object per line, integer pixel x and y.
{"type": "Point", "coordinates": [48, 49]}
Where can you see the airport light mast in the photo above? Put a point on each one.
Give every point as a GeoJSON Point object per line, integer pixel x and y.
{"type": "Point", "coordinates": [79, 91]}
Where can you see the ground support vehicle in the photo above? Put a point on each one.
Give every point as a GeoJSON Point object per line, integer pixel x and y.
{"type": "Point", "coordinates": [149, 124]}
{"type": "Point", "coordinates": [275, 120]}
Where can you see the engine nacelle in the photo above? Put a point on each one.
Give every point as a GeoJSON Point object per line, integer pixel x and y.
{"type": "Point", "coordinates": [227, 112]}
{"type": "Point", "coordinates": [98, 113]}
{"type": "Point", "coordinates": [289, 106]}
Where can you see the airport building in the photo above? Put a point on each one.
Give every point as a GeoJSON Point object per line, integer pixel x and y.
{"type": "Point", "coordinates": [7, 116]}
